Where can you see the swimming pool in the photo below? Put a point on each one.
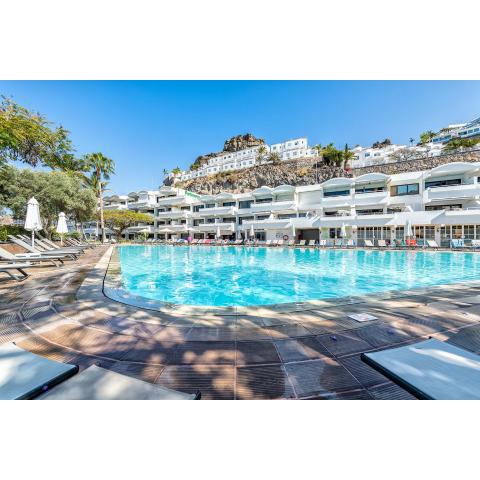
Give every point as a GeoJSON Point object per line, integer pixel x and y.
{"type": "Point", "coordinates": [233, 276]}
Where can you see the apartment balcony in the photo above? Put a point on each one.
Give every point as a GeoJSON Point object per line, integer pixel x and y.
{"type": "Point", "coordinates": [177, 214]}
{"type": "Point", "coordinates": [174, 228]}
{"type": "Point", "coordinates": [373, 198]}
{"type": "Point", "coordinates": [139, 228]}
{"type": "Point", "coordinates": [218, 211]}
{"type": "Point", "coordinates": [115, 206]}
{"type": "Point", "coordinates": [140, 205]}
{"type": "Point", "coordinates": [170, 201]}
{"type": "Point", "coordinates": [452, 192]}
{"type": "Point", "coordinates": [288, 206]}
{"type": "Point", "coordinates": [337, 202]}
{"type": "Point", "coordinates": [212, 227]}
{"type": "Point", "coordinates": [267, 224]}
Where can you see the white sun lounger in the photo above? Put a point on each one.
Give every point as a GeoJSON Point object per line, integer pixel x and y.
{"type": "Point", "coordinates": [97, 383]}
{"type": "Point", "coordinates": [29, 248]}
{"type": "Point", "coordinates": [6, 255]}
{"type": "Point", "coordinates": [19, 267]}
{"type": "Point", "coordinates": [430, 370]}
{"type": "Point", "coordinates": [369, 243]}
{"type": "Point", "coordinates": [432, 244]}
{"type": "Point", "coordinates": [24, 375]}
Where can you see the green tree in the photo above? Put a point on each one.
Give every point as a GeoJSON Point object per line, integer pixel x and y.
{"type": "Point", "coordinates": [331, 155]}
{"type": "Point", "coordinates": [119, 220]}
{"type": "Point", "coordinates": [101, 167]}
{"type": "Point", "coordinates": [29, 137]}
{"type": "Point", "coordinates": [261, 154]}
{"type": "Point", "coordinates": [347, 156]}
{"type": "Point", "coordinates": [426, 137]}
{"type": "Point", "coordinates": [275, 158]}
{"type": "Point", "coordinates": [177, 170]}
{"type": "Point", "coordinates": [459, 144]}
{"type": "Point", "coordinates": [55, 191]}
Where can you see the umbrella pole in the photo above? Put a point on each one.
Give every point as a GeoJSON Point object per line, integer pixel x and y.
{"type": "Point", "coordinates": [61, 239]}
{"type": "Point", "coordinates": [33, 238]}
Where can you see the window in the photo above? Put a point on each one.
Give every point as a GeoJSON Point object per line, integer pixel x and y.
{"type": "Point", "coordinates": [228, 204]}
{"type": "Point", "coordinates": [284, 216]}
{"type": "Point", "coordinates": [369, 189]}
{"type": "Point", "coordinates": [443, 207]}
{"type": "Point", "coordinates": [469, 231]}
{"type": "Point", "coordinates": [197, 208]}
{"type": "Point", "coordinates": [245, 203]}
{"type": "Point", "coordinates": [264, 200]}
{"type": "Point", "coordinates": [406, 189]}
{"type": "Point", "coordinates": [443, 183]}
{"type": "Point", "coordinates": [394, 210]}
{"type": "Point", "coordinates": [209, 205]}
{"type": "Point", "coordinates": [261, 236]}
{"type": "Point", "coordinates": [337, 193]}
{"type": "Point", "coordinates": [262, 217]}
{"type": "Point", "coordinates": [372, 211]}
{"type": "Point", "coordinates": [244, 219]}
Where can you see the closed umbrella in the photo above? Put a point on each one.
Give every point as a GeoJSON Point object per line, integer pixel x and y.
{"type": "Point", "coordinates": [343, 231]}
{"type": "Point", "coordinates": [217, 233]}
{"type": "Point", "coordinates": [408, 229]}
{"type": "Point", "coordinates": [33, 223]}
{"type": "Point", "coordinates": [62, 226]}
{"type": "Point", "coordinates": [252, 232]}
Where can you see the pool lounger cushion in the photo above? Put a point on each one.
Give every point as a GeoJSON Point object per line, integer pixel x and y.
{"type": "Point", "coordinates": [24, 375]}
{"type": "Point", "coordinates": [430, 370]}
{"type": "Point", "coordinates": [97, 383]}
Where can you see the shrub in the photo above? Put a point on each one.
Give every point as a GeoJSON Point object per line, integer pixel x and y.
{"type": "Point", "coordinates": [6, 230]}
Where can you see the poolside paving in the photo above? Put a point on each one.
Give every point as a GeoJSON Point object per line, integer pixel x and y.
{"type": "Point", "coordinates": [309, 351]}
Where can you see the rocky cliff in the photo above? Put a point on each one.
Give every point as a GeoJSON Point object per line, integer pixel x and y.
{"type": "Point", "coordinates": [306, 171]}
{"type": "Point", "coordinates": [234, 144]}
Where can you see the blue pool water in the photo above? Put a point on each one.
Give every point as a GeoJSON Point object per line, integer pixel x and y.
{"type": "Point", "coordinates": [232, 276]}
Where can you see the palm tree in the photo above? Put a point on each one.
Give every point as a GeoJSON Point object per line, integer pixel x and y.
{"type": "Point", "coordinates": [411, 141]}
{"type": "Point", "coordinates": [176, 170]}
{"type": "Point", "coordinates": [347, 156]}
{"type": "Point", "coordinates": [275, 158]}
{"type": "Point", "coordinates": [319, 149]}
{"type": "Point", "coordinates": [427, 136]}
{"type": "Point", "coordinates": [262, 151]}
{"type": "Point", "coordinates": [101, 167]}
{"type": "Point", "coordinates": [165, 172]}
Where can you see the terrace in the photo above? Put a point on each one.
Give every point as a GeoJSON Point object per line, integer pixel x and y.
{"type": "Point", "coordinates": [243, 353]}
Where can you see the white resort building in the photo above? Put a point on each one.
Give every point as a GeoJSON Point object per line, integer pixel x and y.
{"type": "Point", "coordinates": [439, 204]}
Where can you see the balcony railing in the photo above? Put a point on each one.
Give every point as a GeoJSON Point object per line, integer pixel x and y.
{"type": "Point", "coordinates": [177, 200]}
{"type": "Point", "coordinates": [212, 227]}
{"type": "Point", "coordinates": [451, 192]}
{"type": "Point", "coordinates": [272, 207]}
{"type": "Point", "coordinates": [205, 212]}
{"type": "Point", "coordinates": [173, 214]}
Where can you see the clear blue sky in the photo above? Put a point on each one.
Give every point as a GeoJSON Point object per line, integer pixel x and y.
{"type": "Point", "coordinates": [148, 126]}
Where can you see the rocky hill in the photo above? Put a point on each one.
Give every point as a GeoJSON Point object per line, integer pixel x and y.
{"type": "Point", "coordinates": [234, 144]}
{"type": "Point", "coordinates": [307, 171]}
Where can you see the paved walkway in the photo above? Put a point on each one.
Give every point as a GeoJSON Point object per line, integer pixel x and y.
{"type": "Point", "coordinates": [305, 354]}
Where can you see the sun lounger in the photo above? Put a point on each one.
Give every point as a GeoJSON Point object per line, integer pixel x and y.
{"type": "Point", "coordinates": [457, 243]}
{"type": "Point", "coordinates": [53, 245]}
{"type": "Point", "coordinates": [301, 243]}
{"type": "Point", "coordinates": [24, 375]}
{"type": "Point", "coordinates": [19, 267]}
{"type": "Point", "coordinates": [330, 243]}
{"type": "Point", "coordinates": [280, 243]}
{"type": "Point", "coordinates": [38, 252]}
{"type": "Point", "coordinates": [382, 244]}
{"type": "Point", "coordinates": [31, 258]}
{"type": "Point", "coordinates": [97, 383]}
{"type": "Point", "coordinates": [268, 243]}
{"type": "Point", "coordinates": [432, 244]}
{"type": "Point", "coordinates": [368, 243]}
{"type": "Point", "coordinates": [291, 243]}
{"type": "Point", "coordinates": [430, 370]}
{"type": "Point", "coordinates": [311, 243]}
{"type": "Point", "coordinates": [56, 249]}
{"type": "Point", "coordinates": [475, 244]}
{"type": "Point", "coordinates": [411, 243]}
{"type": "Point", "coordinates": [322, 243]}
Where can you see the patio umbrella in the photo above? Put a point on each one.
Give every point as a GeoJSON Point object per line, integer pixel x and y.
{"type": "Point", "coordinates": [343, 231]}
{"type": "Point", "coordinates": [217, 233]}
{"type": "Point", "coordinates": [408, 229]}
{"type": "Point", "coordinates": [252, 231]}
{"type": "Point", "coordinates": [33, 222]}
{"type": "Point", "coordinates": [61, 226]}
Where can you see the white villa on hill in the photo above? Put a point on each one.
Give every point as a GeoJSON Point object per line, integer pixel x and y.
{"type": "Point", "coordinates": [228, 161]}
